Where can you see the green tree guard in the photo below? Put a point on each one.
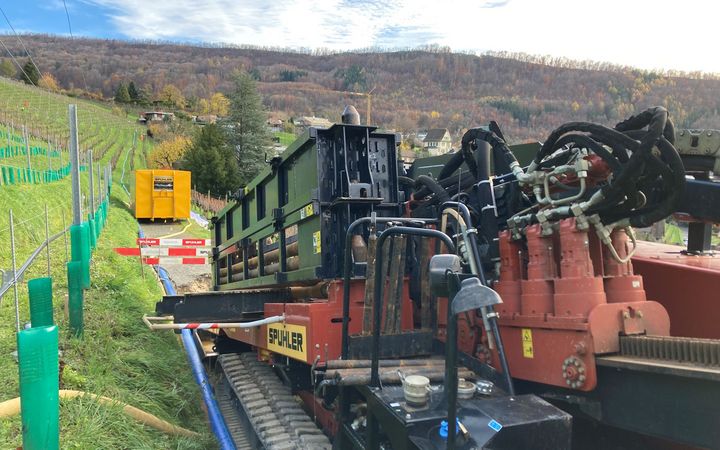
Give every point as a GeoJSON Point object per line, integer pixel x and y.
{"type": "Point", "coordinates": [41, 305]}
{"type": "Point", "coordinates": [93, 231]}
{"type": "Point", "coordinates": [75, 297]}
{"type": "Point", "coordinates": [39, 387]}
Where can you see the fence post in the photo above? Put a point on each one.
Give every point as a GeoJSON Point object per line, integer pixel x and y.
{"type": "Point", "coordinates": [79, 232]}
{"type": "Point", "coordinates": [14, 271]}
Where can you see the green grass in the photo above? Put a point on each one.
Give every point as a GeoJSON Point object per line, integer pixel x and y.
{"type": "Point", "coordinates": [118, 356]}
{"type": "Point", "coordinates": [285, 138]}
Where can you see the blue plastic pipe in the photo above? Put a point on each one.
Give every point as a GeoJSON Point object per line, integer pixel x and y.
{"type": "Point", "coordinates": [217, 423]}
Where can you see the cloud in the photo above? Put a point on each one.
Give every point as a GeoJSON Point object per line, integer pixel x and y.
{"type": "Point", "coordinates": [606, 30]}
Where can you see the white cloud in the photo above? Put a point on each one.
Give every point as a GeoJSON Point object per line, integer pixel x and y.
{"type": "Point", "coordinates": [642, 33]}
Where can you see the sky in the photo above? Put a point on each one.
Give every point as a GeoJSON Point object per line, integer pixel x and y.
{"type": "Point", "coordinates": [656, 34]}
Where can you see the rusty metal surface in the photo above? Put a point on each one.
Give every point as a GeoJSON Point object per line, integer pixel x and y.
{"type": "Point", "coordinates": [704, 352]}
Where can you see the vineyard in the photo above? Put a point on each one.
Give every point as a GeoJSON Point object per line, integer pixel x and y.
{"type": "Point", "coordinates": [117, 357]}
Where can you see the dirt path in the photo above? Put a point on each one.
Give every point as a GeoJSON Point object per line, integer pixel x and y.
{"type": "Point", "coordinates": [187, 278]}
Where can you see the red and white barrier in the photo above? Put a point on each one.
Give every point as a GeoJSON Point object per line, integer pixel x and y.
{"type": "Point", "coordinates": [162, 251]}
{"type": "Point", "coordinates": [174, 242]}
{"type": "Point", "coordinates": [169, 260]}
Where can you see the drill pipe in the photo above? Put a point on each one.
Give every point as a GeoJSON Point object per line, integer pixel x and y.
{"type": "Point", "coordinates": [270, 257]}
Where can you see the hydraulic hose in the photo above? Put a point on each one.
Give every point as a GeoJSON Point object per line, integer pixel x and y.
{"type": "Point", "coordinates": [440, 194]}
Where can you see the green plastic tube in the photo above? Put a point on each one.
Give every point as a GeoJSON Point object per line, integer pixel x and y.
{"type": "Point", "coordinates": [41, 305]}
{"type": "Point", "coordinates": [93, 231]}
{"type": "Point", "coordinates": [86, 255]}
{"type": "Point", "coordinates": [75, 297]}
{"type": "Point", "coordinates": [39, 387]}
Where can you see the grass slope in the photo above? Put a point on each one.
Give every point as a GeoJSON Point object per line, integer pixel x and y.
{"type": "Point", "coordinates": [118, 357]}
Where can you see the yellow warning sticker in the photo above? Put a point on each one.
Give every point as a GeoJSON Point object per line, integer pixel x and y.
{"type": "Point", "coordinates": [287, 339]}
{"type": "Point", "coordinates": [527, 343]}
{"type": "Point", "coordinates": [317, 248]}
{"type": "Point", "coordinates": [307, 211]}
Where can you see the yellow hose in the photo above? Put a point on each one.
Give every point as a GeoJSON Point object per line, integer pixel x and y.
{"type": "Point", "coordinates": [177, 233]}
{"type": "Point", "coordinates": [11, 408]}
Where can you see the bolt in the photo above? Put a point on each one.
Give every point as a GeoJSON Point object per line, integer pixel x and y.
{"type": "Point", "coordinates": [626, 315]}
{"type": "Point", "coordinates": [581, 378]}
{"type": "Point", "coordinates": [580, 348]}
{"type": "Point", "coordinates": [568, 382]}
{"type": "Point", "coordinates": [581, 370]}
{"type": "Point", "coordinates": [640, 314]}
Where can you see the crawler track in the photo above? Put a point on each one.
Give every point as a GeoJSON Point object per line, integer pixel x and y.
{"type": "Point", "coordinates": [261, 410]}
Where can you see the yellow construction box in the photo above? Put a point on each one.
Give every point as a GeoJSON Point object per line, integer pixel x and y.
{"type": "Point", "coordinates": [162, 194]}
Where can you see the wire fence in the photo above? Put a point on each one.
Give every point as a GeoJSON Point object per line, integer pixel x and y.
{"type": "Point", "coordinates": [14, 275]}
{"type": "Point", "coordinates": [207, 203]}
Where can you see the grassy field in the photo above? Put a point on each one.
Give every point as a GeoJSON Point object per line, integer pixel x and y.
{"type": "Point", "coordinates": [118, 356]}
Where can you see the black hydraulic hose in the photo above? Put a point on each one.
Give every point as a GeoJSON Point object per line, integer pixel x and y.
{"type": "Point", "coordinates": [656, 120]}
{"type": "Point", "coordinates": [435, 187]}
{"type": "Point", "coordinates": [672, 172]}
{"type": "Point", "coordinates": [452, 165]}
{"type": "Point", "coordinates": [347, 264]}
{"type": "Point", "coordinates": [598, 149]}
{"type": "Point", "coordinates": [602, 132]}
{"type": "Point", "coordinates": [406, 181]}
{"type": "Point", "coordinates": [378, 288]}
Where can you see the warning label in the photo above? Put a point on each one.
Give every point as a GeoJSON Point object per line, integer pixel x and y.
{"type": "Point", "coordinates": [162, 183]}
{"type": "Point", "coordinates": [317, 245]}
{"type": "Point", "coordinates": [527, 343]}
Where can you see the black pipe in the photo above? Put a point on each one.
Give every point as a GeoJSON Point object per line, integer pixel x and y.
{"type": "Point", "coordinates": [348, 264]}
{"type": "Point", "coordinates": [378, 294]}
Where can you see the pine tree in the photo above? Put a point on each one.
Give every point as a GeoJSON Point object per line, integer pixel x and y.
{"type": "Point", "coordinates": [211, 161]}
{"type": "Point", "coordinates": [121, 94]}
{"type": "Point", "coordinates": [30, 74]}
{"type": "Point", "coordinates": [133, 92]}
{"type": "Point", "coordinates": [249, 135]}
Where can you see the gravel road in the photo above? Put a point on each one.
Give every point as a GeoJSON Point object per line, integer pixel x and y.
{"type": "Point", "coordinates": [187, 278]}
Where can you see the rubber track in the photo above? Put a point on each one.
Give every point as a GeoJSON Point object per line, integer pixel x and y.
{"type": "Point", "coordinates": [235, 422]}
{"type": "Point", "coordinates": [275, 416]}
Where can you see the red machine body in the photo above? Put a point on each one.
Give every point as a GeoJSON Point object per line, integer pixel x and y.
{"type": "Point", "coordinates": [317, 323]}
{"type": "Point", "coordinates": [558, 320]}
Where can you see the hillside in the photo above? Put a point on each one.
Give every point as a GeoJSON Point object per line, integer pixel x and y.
{"type": "Point", "coordinates": [412, 89]}
{"type": "Point", "coordinates": [118, 357]}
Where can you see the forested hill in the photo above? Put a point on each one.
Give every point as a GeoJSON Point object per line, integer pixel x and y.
{"type": "Point", "coordinates": [410, 89]}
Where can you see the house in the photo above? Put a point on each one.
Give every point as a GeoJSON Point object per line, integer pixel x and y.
{"type": "Point", "coordinates": [437, 141]}
{"type": "Point", "coordinates": [155, 116]}
{"type": "Point", "coordinates": [275, 125]}
{"type": "Point", "coordinates": [205, 119]}
{"type": "Point", "coordinates": [311, 121]}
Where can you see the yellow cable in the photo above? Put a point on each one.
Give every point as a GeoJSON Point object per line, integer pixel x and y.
{"type": "Point", "coordinates": [11, 408]}
{"type": "Point", "coordinates": [178, 233]}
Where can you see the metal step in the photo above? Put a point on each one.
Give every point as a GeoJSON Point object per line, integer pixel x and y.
{"type": "Point", "coordinates": [276, 418]}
